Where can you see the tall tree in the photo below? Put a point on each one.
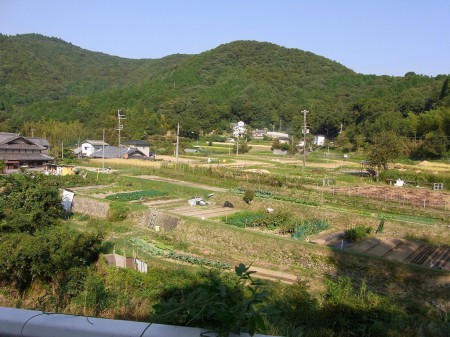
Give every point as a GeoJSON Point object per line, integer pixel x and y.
{"type": "Point", "coordinates": [384, 150]}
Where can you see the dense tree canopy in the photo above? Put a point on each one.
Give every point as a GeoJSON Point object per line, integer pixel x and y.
{"type": "Point", "coordinates": [47, 84]}
{"type": "Point", "coordinates": [33, 245]}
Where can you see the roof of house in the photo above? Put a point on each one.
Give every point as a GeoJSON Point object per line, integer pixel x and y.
{"type": "Point", "coordinates": [16, 141]}
{"type": "Point", "coordinates": [24, 157]}
{"type": "Point", "coordinates": [116, 152]}
{"type": "Point", "coordinates": [5, 137]}
{"type": "Point", "coordinates": [136, 143]}
{"type": "Point", "coordinates": [96, 142]}
{"type": "Point", "coordinates": [40, 141]}
{"type": "Point", "coordinates": [280, 135]}
{"type": "Point", "coordinates": [22, 146]}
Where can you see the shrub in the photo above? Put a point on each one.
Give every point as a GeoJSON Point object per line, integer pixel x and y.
{"type": "Point", "coordinates": [273, 220]}
{"type": "Point", "coordinates": [358, 233]}
{"type": "Point", "coordinates": [118, 211]}
{"type": "Point", "coordinates": [223, 303]}
{"type": "Point", "coordinates": [249, 195]}
{"type": "Point", "coordinates": [380, 227]}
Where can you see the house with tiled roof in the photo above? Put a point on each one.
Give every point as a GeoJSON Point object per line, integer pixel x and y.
{"type": "Point", "coordinates": [17, 150]}
{"type": "Point", "coordinates": [118, 152]}
{"type": "Point", "coordinates": [88, 147]}
{"type": "Point", "coordinates": [141, 145]}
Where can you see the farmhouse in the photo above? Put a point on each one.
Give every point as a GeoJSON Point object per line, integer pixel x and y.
{"type": "Point", "coordinates": [259, 134]}
{"type": "Point", "coordinates": [118, 152]}
{"type": "Point", "coordinates": [88, 147]}
{"type": "Point", "coordinates": [17, 150]}
{"type": "Point", "coordinates": [140, 145]}
{"type": "Point", "coordinates": [281, 136]}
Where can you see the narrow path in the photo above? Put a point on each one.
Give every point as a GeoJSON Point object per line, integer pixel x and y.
{"type": "Point", "coordinates": [182, 183]}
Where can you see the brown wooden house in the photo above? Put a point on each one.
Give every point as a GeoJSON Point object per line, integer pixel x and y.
{"type": "Point", "coordinates": [17, 151]}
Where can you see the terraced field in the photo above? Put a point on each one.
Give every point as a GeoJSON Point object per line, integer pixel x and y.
{"type": "Point", "coordinates": [406, 251]}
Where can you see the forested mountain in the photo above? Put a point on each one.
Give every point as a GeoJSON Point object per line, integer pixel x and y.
{"type": "Point", "coordinates": [263, 84]}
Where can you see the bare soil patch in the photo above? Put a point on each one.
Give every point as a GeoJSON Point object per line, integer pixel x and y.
{"type": "Point", "coordinates": [416, 197]}
{"type": "Point", "coordinates": [203, 212]}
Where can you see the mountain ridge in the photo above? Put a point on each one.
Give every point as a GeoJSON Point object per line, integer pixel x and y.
{"type": "Point", "coordinates": [260, 83]}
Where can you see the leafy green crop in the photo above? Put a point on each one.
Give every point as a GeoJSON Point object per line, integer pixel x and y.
{"type": "Point", "coordinates": [309, 228]}
{"type": "Point", "coordinates": [270, 195]}
{"type": "Point", "coordinates": [243, 219]}
{"type": "Point", "coordinates": [130, 196]}
{"type": "Point", "coordinates": [170, 254]}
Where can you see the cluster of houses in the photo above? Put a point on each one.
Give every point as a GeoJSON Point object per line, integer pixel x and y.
{"type": "Point", "coordinates": [318, 140]}
{"type": "Point", "coordinates": [17, 151]}
{"type": "Point", "coordinates": [130, 149]}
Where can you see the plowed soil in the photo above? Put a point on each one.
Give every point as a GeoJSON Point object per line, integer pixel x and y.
{"type": "Point", "coordinates": [410, 196]}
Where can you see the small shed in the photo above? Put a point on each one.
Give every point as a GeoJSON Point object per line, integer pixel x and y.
{"type": "Point", "coordinates": [121, 261]}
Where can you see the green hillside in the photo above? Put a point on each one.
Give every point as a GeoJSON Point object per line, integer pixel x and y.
{"type": "Point", "coordinates": [263, 84]}
{"type": "Point", "coordinates": [36, 68]}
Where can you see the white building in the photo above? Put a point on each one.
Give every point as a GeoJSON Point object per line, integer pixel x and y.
{"type": "Point", "coordinates": [281, 136]}
{"type": "Point", "coordinates": [141, 145]}
{"type": "Point", "coordinates": [319, 140]}
{"type": "Point", "coordinates": [239, 129]}
{"type": "Point", "coordinates": [88, 147]}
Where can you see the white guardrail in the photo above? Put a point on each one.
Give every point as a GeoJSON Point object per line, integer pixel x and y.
{"type": "Point", "coordinates": [31, 323]}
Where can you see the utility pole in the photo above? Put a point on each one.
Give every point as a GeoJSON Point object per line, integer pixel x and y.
{"type": "Point", "coordinates": [305, 130]}
{"type": "Point", "coordinates": [103, 152]}
{"type": "Point", "coordinates": [120, 127]}
{"type": "Point", "coordinates": [178, 141]}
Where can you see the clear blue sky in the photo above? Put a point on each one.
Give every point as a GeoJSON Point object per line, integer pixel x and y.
{"type": "Point", "coordinates": [383, 37]}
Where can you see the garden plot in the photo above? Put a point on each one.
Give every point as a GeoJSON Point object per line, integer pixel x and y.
{"type": "Point", "coordinates": [409, 196]}
{"type": "Point", "coordinates": [203, 212]}
{"type": "Point", "coordinates": [406, 251]}
{"type": "Point", "coordinates": [164, 202]}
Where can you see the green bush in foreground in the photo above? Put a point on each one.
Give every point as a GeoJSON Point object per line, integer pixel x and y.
{"type": "Point", "coordinates": [221, 303]}
{"type": "Point", "coordinates": [358, 233]}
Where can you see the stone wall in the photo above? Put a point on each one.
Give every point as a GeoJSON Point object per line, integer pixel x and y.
{"type": "Point", "coordinates": [165, 221]}
{"type": "Point", "coordinates": [90, 207]}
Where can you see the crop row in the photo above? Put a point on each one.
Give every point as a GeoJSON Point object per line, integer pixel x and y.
{"type": "Point", "coordinates": [170, 254]}
{"type": "Point", "coordinates": [271, 195]}
{"type": "Point", "coordinates": [309, 228]}
{"type": "Point", "coordinates": [243, 219]}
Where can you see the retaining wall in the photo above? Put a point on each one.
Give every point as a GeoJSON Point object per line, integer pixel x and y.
{"type": "Point", "coordinates": [165, 222]}
{"type": "Point", "coordinates": [90, 207]}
